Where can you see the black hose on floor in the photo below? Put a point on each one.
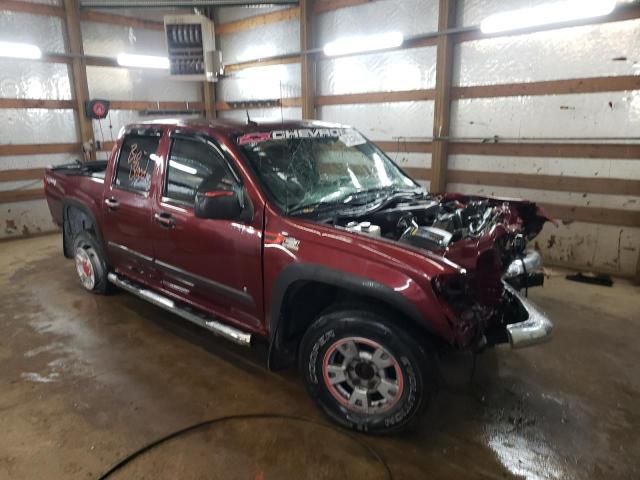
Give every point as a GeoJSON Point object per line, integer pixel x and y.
{"type": "Point", "coordinates": [197, 426]}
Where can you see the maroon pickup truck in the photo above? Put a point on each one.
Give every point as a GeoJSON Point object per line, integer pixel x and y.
{"type": "Point", "coordinates": [307, 235]}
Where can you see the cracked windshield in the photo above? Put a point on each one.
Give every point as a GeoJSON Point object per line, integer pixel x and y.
{"type": "Point", "coordinates": [310, 169]}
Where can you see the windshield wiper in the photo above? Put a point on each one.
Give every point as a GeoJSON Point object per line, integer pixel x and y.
{"type": "Point", "coordinates": [347, 200]}
{"type": "Point", "coordinates": [389, 190]}
{"type": "Point", "coordinates": [314, 207]}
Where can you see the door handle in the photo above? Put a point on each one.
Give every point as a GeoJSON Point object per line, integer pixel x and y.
{"type": "Point", "coordinates": [164, 219]}
{"type": "Point", "coordinates": [111, 203]}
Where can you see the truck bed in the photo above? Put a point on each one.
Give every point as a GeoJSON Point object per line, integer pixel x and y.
{"type": "Point", "coordinates": [83, 182]}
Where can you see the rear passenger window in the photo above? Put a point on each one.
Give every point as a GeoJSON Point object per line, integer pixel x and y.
{"type": "Point", "coordinates": [190, 163]}
{"type": "Point", "coordinates": [135, 165]}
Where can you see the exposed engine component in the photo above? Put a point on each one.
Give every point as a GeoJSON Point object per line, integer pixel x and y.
{"type": "Point", "coordinates": [365, 227]}
{"type": "Point", "coordinates": [448, 224]}
{"type": "Point", "coordinates": [430, 238]}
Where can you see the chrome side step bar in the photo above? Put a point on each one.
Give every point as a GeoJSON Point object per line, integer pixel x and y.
{"type": "Point", "coordinates": [230, 333]}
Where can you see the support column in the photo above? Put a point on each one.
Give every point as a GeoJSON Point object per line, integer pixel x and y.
{"type": "Point", "coordinates": [78, 73]}
{"type": "Point", "coordinates": [442, 108]}
{"type": "Point", "coordinates": [307, 62]}
{"type": "Point", "coordinates": [209, 100]}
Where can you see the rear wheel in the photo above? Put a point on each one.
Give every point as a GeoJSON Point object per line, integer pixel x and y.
{"type": "Point", "coordinates": [364, 371]}
{"type": "Point", "coordinates": [91, 266]}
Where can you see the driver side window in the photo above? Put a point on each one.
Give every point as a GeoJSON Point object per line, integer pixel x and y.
{"type": "Point", "coordinates": [191, 162]}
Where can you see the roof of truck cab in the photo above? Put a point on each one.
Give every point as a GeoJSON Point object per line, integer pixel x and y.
{"type": "Point", "coordinates": [229, 126]}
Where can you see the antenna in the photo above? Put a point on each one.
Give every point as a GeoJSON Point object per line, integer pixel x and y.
{"type": "Point", "coordinates": [281, 112]}
{"type": "Point", "coordinates": [249, 121]}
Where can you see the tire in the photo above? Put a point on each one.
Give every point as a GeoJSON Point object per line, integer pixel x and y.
{"type": "Point", "coordinates": [91, 265]}
{"type": "Point", "coordinates": [388, 370]}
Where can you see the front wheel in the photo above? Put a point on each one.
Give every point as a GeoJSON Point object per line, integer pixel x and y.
{"type": "Point", "coordinates": [364, 371]}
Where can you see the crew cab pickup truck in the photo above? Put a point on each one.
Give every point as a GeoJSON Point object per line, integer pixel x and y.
{"type": "Point", "coordinates": [306, 235]}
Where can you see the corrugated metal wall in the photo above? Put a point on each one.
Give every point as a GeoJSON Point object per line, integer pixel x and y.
{"type": "Point", "coordinates": [580, 52]}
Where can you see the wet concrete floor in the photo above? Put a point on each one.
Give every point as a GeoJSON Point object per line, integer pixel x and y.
{"type": "Point", "coordinates": [85, 380]}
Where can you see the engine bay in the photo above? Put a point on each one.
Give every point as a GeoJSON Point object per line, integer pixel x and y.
{"type": "Point", "coordinates": [428, 224]}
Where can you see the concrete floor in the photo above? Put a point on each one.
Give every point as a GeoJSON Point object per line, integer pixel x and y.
{"type": "Point", "coordinates": [85, 380]}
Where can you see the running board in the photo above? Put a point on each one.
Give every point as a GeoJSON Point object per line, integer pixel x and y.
{"type": "Point", "coordinates": [230, 333]}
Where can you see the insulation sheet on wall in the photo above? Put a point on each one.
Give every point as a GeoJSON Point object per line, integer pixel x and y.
{"type": "Point", "coordinates": [264, 114]}
{"type": "Point", "coordinates": [261, 83]}
{"type": "Point", "coordinates": [409, 17]}
{"type": "Point", "coordinates": [260, 42]}
{"type": "Point", "coordinates": [104, 39]}
{"type": "Point", "coordinates": [37, 125]}
{"type": "Point", "coordinates": [384, 121]}
{"type": "Point", "coordinates": [44, 32]}
{"type": "Point", "coordinates": [589, 51]}
{"type": "Point", "coordinates": [614, 114]}
{"type": "Point", "coordinates": [380, 72]}
{"type": "Point", "coordinates": [27, 79]}
{"type": "Point", "coordinates": [140, 85]}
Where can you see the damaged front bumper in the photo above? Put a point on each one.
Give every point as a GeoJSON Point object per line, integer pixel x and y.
{"type": "Point", "coordinates": [525, 272]}
{"type": "Point", "coordinates": [535, 329]}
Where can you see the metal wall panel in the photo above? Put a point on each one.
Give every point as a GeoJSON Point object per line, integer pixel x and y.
{"type": "Point", "coordinates": [27, 79]}
{"type": "Point", "coordinates": [266, 41]}
{"type": "Point", "coordinates": [45, 32]}
{"type": "Point", "coordinates": [589, 51]}
{"type": "Point", "coordinates": [615, 114]}
{"type": "Point", "coordinates": [261, 83]}
{"type": "Point", "coordinates": [384, 121]}
{"type": "Point", "coordinates": [392, 71]}
{"type": "Point", "coordinates": [139, 84]}
{"type": "Point", "coordinates": [411, 17]}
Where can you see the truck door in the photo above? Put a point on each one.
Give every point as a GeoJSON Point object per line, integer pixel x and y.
{"type": "Point", "coordinates": [214, 264]}
{"type": "Point", "coordinates": [127, 211]}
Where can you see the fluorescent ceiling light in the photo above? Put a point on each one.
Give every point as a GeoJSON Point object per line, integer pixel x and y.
{"type": "Point", "coordinates": [363, 43]}
{"type": "Point", "coordinates": [19, 50]}
{"type": "Point", "coordinates": [142, 61]}
{"type": "Point", "coordinates": [547, 14]}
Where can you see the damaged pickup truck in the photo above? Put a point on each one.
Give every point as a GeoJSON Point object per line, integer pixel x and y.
{"type": "Point", "coordinates": [305, 235]}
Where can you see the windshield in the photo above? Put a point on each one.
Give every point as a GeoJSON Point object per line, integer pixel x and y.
{"type": "Point", "coordinates": [309, 168]}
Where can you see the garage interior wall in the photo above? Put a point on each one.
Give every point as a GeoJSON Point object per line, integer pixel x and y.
{"type": "Point", "coordinates": [530, 114]}
{"type": "Point", "coordinates": [552, 115]}
{"type": "Point", "coordinates": [38, 117]}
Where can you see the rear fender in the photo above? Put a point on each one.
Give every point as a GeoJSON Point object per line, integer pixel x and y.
{"type": "Point", "coordinates": [78, 217]}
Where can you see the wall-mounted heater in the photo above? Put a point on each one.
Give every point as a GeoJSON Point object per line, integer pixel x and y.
{"type": "Point", "coordinates": [191, 43]}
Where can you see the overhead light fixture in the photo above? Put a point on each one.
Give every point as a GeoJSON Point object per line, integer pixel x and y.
{"type": "Point", "coordinates": [143, 61]}
{"type": "Point", "coordinates": [363, 43]}
{"type": "Point", "coordinates": [547, 14]}
{"type": "Point", "coordinates": [19, 50]}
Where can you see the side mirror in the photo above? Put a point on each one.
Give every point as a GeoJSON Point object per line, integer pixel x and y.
{"type": "Point", "coordinates": [218, 205]}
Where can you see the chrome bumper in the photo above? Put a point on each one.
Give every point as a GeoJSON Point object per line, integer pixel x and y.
{"type": "Point", "coordinates": [532, 331]}
{"type": "Point", "coordinates": [530, 263]}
